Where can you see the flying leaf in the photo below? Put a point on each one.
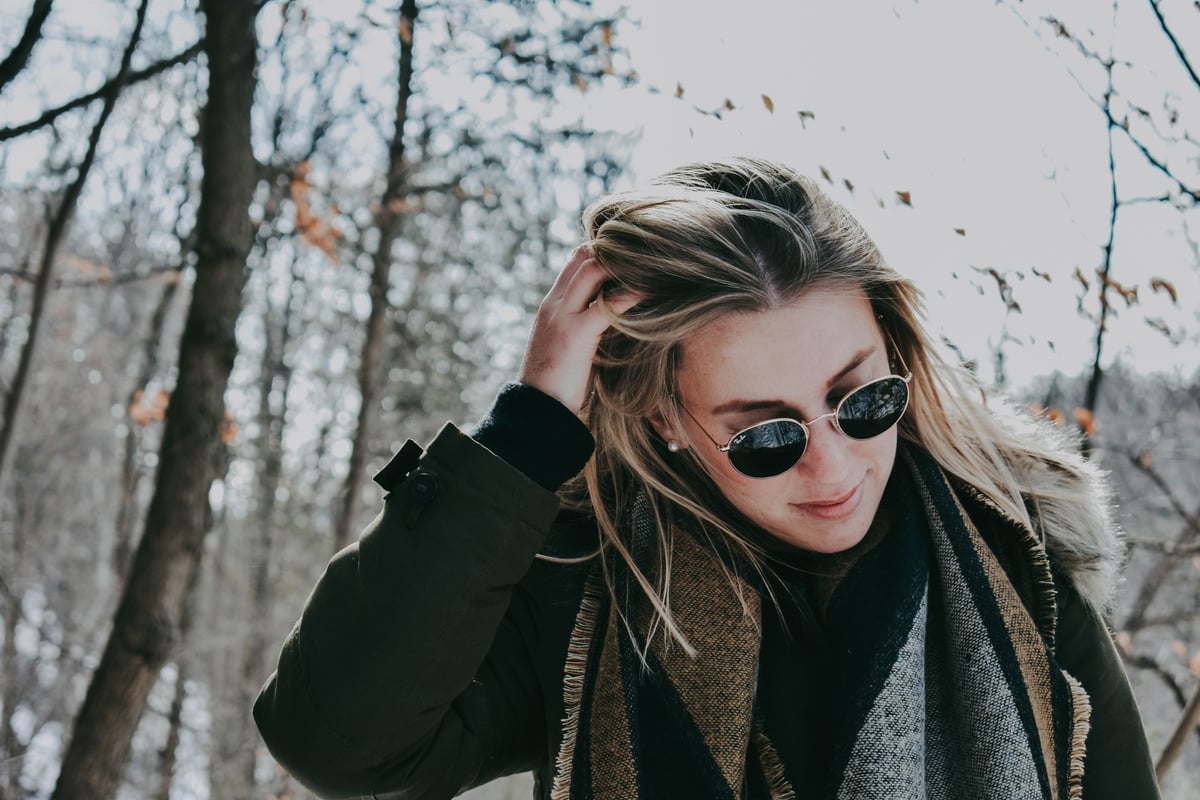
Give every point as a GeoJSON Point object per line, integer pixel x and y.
{"type": "Point", "coordinates": [228, 428]}
{"type": "Point", "coordinates": [1004, 287]}
{"type": "Point", "coordinates": [1043, 275]}
{"type": "Point", "coordinates": [1160, 285]}
{"type": "Point", "coordinates": [1086, 420]}
{"type": "Point", "coordinates": [805, 116]}
{"type": "Point", "coordinates": [1159, 325]}
{"type": "Point", "coordinates": [905, 197]}
{"type": "Point", "coordinates": [1059, 28]}
{"type": "Point", "coordinates": [679, 90]}
{"type": "Point", "coordinates": [145, 412]}
{"type": "Point", "coordinates": [961, 231]}
{"type": "Point", "coordinates": [769, 103]}
{"type": "Point", "coordinates": [729, 106]}
{"type": "Point", "coordinates": [1082, 280]}
{"type": "Point", "coordinates": [849, 185]}
{"type": "Point", "coordinates": [825, 174]}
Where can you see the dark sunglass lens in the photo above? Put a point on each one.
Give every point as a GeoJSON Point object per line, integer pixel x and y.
{"type": "Point", "coordinates": [767, 449]}
{"type": "Point", "coordinates": [874, 408]}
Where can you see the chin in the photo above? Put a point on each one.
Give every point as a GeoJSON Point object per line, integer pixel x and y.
{"type": "Point", "coordinates": [816, 535]}
{"type": "Point", "coordinates": [826, 542]}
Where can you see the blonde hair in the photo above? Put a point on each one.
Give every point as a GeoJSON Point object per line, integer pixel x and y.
{"type": "Point", "coordinates": [710, 239]}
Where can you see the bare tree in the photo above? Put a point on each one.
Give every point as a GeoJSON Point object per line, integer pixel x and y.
{"type": "Point", "coordinates": [54, 237]}
{"type": "Point", "coordinates": [1149, 143]}
{"type": "Point", "coordinates": [146, 627]}
{"type": "Point", "coordinates": [388, 218]}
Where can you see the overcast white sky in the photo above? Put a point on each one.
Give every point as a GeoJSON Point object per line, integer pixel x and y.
{"type": "Point", "coordinates": [960, 104]}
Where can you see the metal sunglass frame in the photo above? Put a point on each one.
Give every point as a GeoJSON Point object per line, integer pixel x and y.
{"type": "Point", "coordinates": [804, 424]}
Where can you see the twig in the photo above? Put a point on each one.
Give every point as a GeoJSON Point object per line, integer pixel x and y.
{"type": "Point", "coordinates": [1191, 716]}
{"type": "Point", "coordinates": [1170, 548]}
{"type": "Point", "coordinates": [1150, 664]}
{"type": "Point", "coordinates": [114, 84]}
{"type": "Point", "coordinates": [1146, 468]}
{"type": "Point", "coordinates": [1175, 43]}
{"type": "Point", "coordinates": [114, 280]}
{"type": "Point", "coordinates": [15, 61]}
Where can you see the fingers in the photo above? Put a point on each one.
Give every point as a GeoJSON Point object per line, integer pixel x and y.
{"type": "Point", "coordinates": [585, 283]}
{"type": "Point", "coordinates": [623, 300]}
{"type": "Point", "coordinates": [567, 329]}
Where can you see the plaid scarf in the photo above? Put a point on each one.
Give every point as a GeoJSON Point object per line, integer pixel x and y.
{"type": "Point", "coordinates": [947, 686]}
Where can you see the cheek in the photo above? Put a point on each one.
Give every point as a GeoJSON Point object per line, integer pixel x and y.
{"type": "Point", "coordinates": [750, 495]}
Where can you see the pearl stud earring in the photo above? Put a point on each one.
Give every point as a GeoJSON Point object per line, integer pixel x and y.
{"type": "Point", "coordinates": [673, 446]}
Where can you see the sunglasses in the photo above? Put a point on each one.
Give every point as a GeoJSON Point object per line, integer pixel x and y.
{"type": "Point", "coordinates": [773, 447]}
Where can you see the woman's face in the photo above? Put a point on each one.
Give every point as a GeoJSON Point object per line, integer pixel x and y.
{"type": "Point", "coordinates": [795, 361]}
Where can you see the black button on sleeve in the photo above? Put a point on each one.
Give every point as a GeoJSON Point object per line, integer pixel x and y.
{"type": "Point", "coordinates": [424, 487]}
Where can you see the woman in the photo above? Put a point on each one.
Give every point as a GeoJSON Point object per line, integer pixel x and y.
{"type": "Point", "coordinates": [736, 532]}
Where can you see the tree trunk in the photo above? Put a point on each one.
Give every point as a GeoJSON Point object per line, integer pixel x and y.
{"type": "Point", "coordinates": [10, 745]}
{"type": "Point", "coordinates": [146, 628]}
{"type": "Point", "coordinates": [272, 418]}
{"type": "Point", "coordinates": [388, 219]}
{"type": "Point", "coordinates": [1092, 393]}
{"type": "Point", "coordinates": [169, 755]}
{"type": "Point", "coordinates": [170, 751]}
{"type": "Point", "coordinates": [131, 474]}
{"type": "Point", "coordinates": [15, 61]}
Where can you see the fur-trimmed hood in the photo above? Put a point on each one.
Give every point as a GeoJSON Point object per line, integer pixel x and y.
{"type": "Point", "coordinates": [1074, 515]}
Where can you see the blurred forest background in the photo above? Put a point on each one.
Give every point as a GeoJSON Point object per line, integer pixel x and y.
{"type": "Point", "coordinates": [247, 248]}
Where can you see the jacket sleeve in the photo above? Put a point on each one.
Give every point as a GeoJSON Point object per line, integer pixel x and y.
{"type": "Point", "coordinates": [1117, 764]}
{"type": "Point", "coordinates": [408, 674]}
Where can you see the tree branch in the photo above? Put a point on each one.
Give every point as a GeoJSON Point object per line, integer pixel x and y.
{"type": "Point", "coordinates": [1170, 548]}
{"type": "Point", "coordinates": [15, 61]}
{"type": "Point", "coordinates": [112, 85]}
{"type": "Point", "coordinates": [1187, 723]}
{"type": "Point", "coordinates": [1061, 31]}
{"type": "Point", "coordinates": [1144, 466]}
{"type": "Point", "coordinates": [1150, 664]}
{"type": "Point", "coordinates": [54, 236]}
{"type": "Point", "coordinates": [114, 280]}
{"type": "Point", "coordinates": [1154, 162]}
{"type": "Point", "coordinates": [1166, 29]}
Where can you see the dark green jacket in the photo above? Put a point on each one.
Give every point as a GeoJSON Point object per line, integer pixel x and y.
{"type": "Point", "coordinates": [429, 656]}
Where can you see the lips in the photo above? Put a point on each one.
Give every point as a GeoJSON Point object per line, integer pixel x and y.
{"type": "Point", "coordinates": [837, 507]}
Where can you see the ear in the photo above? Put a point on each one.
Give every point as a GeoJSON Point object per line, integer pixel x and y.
{"type": "Point", "coordinates": [665, 431]}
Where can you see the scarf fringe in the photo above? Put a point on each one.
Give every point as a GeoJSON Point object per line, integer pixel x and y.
{"type": "Point", "coordinates": [772, 765]}
{"type": "Point", "coordinates": [574, 677]}
{"type": "Point", "coordinates": [1081, 725]}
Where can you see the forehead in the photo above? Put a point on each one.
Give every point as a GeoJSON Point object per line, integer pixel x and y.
{"type": "Point", "coordinates": [788, 352]}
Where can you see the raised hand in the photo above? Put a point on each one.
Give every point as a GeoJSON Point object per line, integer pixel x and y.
{"type": "Point", "coordinates": [567, 330]}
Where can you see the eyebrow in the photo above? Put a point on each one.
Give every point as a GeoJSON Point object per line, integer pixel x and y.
{"type": "Point", "coordinates": [744, 406]}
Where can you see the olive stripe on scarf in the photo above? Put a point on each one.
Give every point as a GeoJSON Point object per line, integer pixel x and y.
{"type": "Point", "coordinates": [948, 685]}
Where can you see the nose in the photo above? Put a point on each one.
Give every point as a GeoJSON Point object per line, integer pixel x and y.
{"type": "Point", "coordinates": [828, 452]}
